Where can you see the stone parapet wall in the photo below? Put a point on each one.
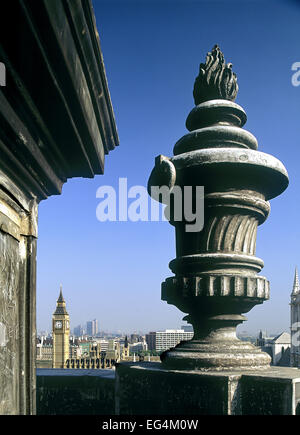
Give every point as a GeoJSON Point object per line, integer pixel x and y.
{"type": "Point", "coordinates": [154, 390]}
{"type": "Point", "coordinates": [75, 392]}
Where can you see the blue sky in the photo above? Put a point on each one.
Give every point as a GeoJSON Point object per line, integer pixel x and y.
{"type": "Point", "coordinates": [112, 271]}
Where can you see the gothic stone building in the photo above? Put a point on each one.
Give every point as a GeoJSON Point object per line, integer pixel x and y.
{"type": "Point", "coordinates": [61, 334]}
{"type": "Point", "coordinates": [295, 322]}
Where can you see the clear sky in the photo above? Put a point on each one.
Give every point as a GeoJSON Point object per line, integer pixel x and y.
{"type": "Point", "coordinates": [113, 271]}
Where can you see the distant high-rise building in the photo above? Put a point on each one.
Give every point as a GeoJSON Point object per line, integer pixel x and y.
{"type": "Point", "coordinates": [61, 333]}
{"type": "Point", "coordinates": [92, 327]}
{"type": "Point", "coordinates": [89, 327]}
{"type": "Point", "coordinates": [151, 340]}
{"type": "Point", "coordinates": [78, 331]}
{"type": "Point", "coordinates": [163, 340]}
{"type": "Point", "coordinates": [125, 348]}
{"type": "Point", "coordinates": [96, 330]}
{"type": "Point", "coordinates": [187, 328]}
{"type": "Point", "coordinates": [295, 322]}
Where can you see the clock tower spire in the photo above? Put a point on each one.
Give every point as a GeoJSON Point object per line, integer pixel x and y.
{"type": "Point", "coordinates": [61, 333]}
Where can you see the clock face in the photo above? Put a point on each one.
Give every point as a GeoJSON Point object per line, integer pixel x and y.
{"type": "Point", "coordinates": [58, 324]}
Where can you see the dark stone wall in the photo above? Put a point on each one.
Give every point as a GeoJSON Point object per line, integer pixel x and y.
{"type": "Point", "coordinates": [267, 396]}
{"type": "Point", "coordinates": [159, 392]}
{"type": "Point", "coordinates": [149, 389]}
{"type": "Point", "coordinates": [75, 395]}
{"type": "Point", "coordinates": [152, 389]}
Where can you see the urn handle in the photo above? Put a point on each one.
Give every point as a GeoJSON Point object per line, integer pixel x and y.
{"type": "Point", "coordinates": [163, 173]}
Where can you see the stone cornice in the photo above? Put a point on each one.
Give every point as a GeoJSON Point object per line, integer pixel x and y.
{"type": "Point", "coordinates": [56, 115]}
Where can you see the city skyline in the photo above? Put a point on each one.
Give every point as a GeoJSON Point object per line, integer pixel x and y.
{"type": "Point", "coordinates": [84, 326]}
{"type": "Point", "coordinates": [113, 270]}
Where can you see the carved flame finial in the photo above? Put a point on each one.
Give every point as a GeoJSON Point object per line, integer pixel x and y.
{"type": "Point", "coordinates": [216, 80]}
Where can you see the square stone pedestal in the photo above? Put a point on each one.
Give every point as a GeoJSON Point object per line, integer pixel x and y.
{"type": "Point", "coordinates": [149, 389]}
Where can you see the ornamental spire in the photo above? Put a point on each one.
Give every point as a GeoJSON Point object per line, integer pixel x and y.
{"type": "Point", "coordinates": [296, 286]}
{"type": "Point", "coordinates": [216, 80]}
{"type": "Point", "coordinates": [60, 304]}
{"type": "Point", "coordinates": [60, 297]}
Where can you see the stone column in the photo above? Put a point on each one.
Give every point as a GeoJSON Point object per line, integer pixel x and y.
{"type": "Point", "coordinates": [18, 233]}
{"type": "Point", "coordinates": [216, 273]}
{"type": "Point", "coordinates": [56, 123]}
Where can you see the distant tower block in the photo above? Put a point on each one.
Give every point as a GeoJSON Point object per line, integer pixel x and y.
{"type": "Point", "coordinates": [295, 322]}
{"type": "Point", "coordinates": [126, 348]}
{"type": "Point", "coordinates": [61, 333]}
{"type": "Point", "coordinates": [92, 327]}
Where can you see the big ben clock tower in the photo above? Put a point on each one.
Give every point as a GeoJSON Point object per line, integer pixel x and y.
{"type": "Point", "coordinates": [61, 333]}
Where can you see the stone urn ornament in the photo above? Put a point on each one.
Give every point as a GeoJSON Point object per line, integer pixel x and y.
{"type": "Point", "coordinates": [216, 273]}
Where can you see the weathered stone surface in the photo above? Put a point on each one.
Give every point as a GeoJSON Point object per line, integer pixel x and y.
{"type": "Point", "coordinates": [216, 79]}
{"type": "Point", "coordinates": [18, 223]}
{"type": "Point", "coordinates": [75, 392]}
{"type": "Point", "coordinates": [151, 389]}
{"type": "Point", "coordinates": [9, 320]}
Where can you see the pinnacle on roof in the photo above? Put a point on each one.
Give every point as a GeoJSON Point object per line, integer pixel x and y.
{"type": "Point", "coordinates": [60, 297]}
{"type": "Point", "coordinates": [296, 286]}
{"type": "Point", "coordinates": [60, 304]}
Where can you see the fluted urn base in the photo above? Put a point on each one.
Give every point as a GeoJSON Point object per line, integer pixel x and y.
{"type": "Point", "coordinates": [215, 303]}
{"type": "Point", "coordinates": [215, 347]}
{"type": "Point", "coordinates": [216, 356]}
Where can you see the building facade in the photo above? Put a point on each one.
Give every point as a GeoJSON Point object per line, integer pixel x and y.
{"type": "Point", "coordinates": [44, 352]}
{"type": "Point", "coordinates": [163, 340]}
{"type": "Point", "coordinates": [278, 348]}
{"type": "Point", "coordinates": [78, 331]}
{"type": "Point", "coordinates": [91, 355]}
{"type": "Point", "coordinates": [61, 334]}
{"type": "Point", "coordinates": [151, 340]}
{"type": "Point", "coordinates": [92, 327]}
{"type": "Point", "coordinates": [139, 346]}
{"type": "Point", "coordinates": [295, 322]}
{"type": "Point", "coordinates": [125, 349]}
